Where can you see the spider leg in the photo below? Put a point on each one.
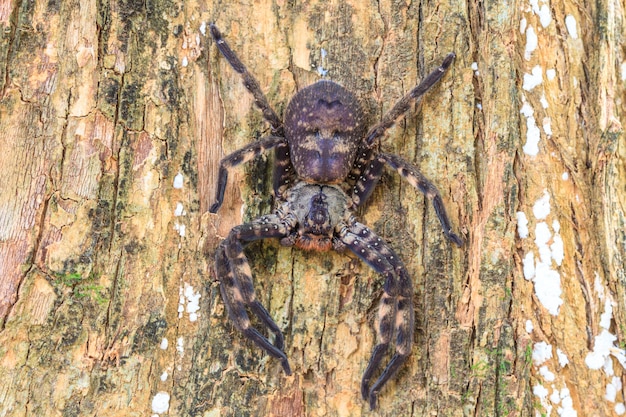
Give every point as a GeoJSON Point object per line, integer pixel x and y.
{"type": "Point", "coordinates": [402, 106]}
{"type": "Point", "coordinates": [395, 314]}
{"type": "Point", "coordinates": [248, 80]}
{"type": "Point", "coordinates": [367, 168]}
{"type": "Point", "coordinates": [366, 172]}
{"type": "Point", "coordinates": [236, 286]}
{"type": "Point", "coordinates": [284, 173]}
{"type": "Point", "coordinates": [419, 181]}
{"type": "Point", "coordinates": [240, 156]}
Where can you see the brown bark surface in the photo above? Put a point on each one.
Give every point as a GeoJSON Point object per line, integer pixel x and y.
{"type": "Point", "coordinates": [113, 119]}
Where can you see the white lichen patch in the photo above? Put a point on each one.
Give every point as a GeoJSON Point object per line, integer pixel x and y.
{"type": "Point", "coordinates": [543, 12]}
{"type": "Point", "coordinates": [570, 24]}
{"type": "Point", "coordinates": [522, 224]}
{"type": "Point", "coordinates": [161, 402]}
{"type": "Point", "coordinates": [548, 288]}
{"type": "Point", "coordinates": [529, 265]}
{"type": "Point", "coordinates": [164, 343]}
{"type": "Point", "coordinates": [179, 210]}
{"type": "Point", "coordinates": [193, 302]}
{"type": "Point", "coordinates": [541, 208]}
{"type": "Point", "coordinates": [180, 346]}
{"type": "Point", "coordinates": [604, 343]}
{"type": "Point", "coordinates": [321, 71]}
{"type": "Point", "coordinates": [549, 248]}
{"type": "Point", "coordinates": [522, 25]}
{"type": "Point", "coordinates": [561, 399]}
{"type": "Point", "coordinates": [557, 250]}
{"type": "Point", "coordinates": [475, 69]}
{"type": "Point", "coordinates": [607, 315]}
{"type": "Point", "coordinates": [547, 126]}
{"type": "Point", "coordinates": [533, 135]}
{"type": "Point", "coordinates": [555, 397]}
{"type": "Point", "coordinates": [598, 287]}
{"type": "Point", "coordinates": [181, 229]}
{"type": "Point", "coordinates": [178, 181]}
{"type": "Point", "coordinates": [604, 349]}
{"type": "Point", "coordinates": [542, 352]}
{"type": "Point", "coordinates": [562, 357]}
{"type": "Point", "coordinates": [566, 408]}
{"type": "Point", "coordinates": [545, 17]}
{"type": "Point", "coordinates": [612, 388]}
{"type": "Point", "coordinates": [527, 110]}
{"type": "Point", "coordinates": [187, 296]}
{"type": "Point", "coordinates": [540, 391]}
{"type": "Point", "coordinates": [533, 79]}
{"type": "Point", "coordinates": [547, 375]}
{"type": "Point", "coordinates": [531, 42]}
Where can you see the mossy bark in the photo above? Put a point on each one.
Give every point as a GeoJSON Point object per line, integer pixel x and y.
{"type": "Point", "coordinates": [106, 107]}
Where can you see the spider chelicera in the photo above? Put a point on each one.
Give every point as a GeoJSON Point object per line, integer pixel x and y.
{"type": "Point", "coordinates": [327, 164]}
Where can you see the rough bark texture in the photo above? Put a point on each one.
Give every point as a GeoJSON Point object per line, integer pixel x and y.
{"type": "Point", "coordinates": [105, 106]}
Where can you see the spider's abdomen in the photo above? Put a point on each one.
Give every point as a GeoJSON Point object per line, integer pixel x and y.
{"type": "Point", "coordinates": [323, 126]}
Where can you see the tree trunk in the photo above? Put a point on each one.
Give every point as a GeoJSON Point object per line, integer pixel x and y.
{"type": "Point", "coordinates": [113, 119]}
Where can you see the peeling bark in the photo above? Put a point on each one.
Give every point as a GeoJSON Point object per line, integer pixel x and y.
{"type": "Point", "coordinates": [113, 119]}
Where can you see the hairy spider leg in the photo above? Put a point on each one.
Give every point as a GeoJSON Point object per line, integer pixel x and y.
{"type": "Point", "coordinates": [371, 175]}
{"type": "Point", "coordinates": [248, 81]}
{"type": "Point", "coordinates": [245, 154]}
{"type": "Point", "coordinates": [283, 169]}
{"type": "Point", "coordinates": [419, 181]}
{"type": "Point", "coordinates": [395, 314]}
{"type": "Point", "coordinates": [233, 270]}
{"type": "Point", "coordinates": [367, 171]}
{"type": "Point", "coordinates": [363, 155]}
{"type": "Point", "coordinates": [405, 103]}
{"type": "Point", "coordinates": [235, 306]}
{"type": "Point", "coordinates": [284, 174]}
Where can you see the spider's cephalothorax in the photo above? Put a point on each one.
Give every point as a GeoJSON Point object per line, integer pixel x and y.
{"type": "Point", "coordinates": [326, 165]}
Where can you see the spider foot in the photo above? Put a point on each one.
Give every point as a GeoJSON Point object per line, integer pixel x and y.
{"type": "Point", "coordinates": [217, 35]}
{"type": "Point", "coordinates": [371, 394]}
{"type": "Point", "coordinates": [454, 238]}
{"type": "Point", "coordinates": [272, 350]}
{"type": "Point", "coordinates": [368, 394]}
{"type": "Point", "coordinates": [373, 398]}
{"type": "Point", "coordinates": [286, 367]}
{"type": "Point", "coordinates": [215, 207]}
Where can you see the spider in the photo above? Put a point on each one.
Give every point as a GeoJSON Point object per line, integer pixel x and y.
{"type": "Point", "coordinates": [327, 164]}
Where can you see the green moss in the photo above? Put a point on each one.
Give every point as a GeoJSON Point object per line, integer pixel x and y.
{"type": "Point", "coordinates": [83, 288]}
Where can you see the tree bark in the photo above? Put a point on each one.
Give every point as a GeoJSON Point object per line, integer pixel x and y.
{"type": "Point", "coordinates": [113, 119]}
